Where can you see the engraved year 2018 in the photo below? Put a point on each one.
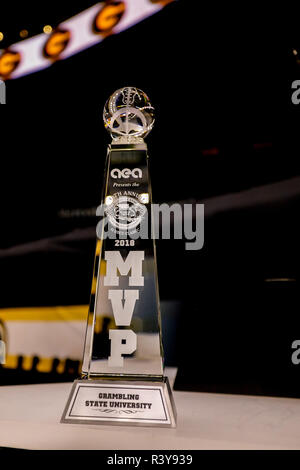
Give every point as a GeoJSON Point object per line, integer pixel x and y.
{"type": "Point", "coordinates": [124, 242]}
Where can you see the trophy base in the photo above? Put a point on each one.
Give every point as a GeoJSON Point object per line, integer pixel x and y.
{"type": "Point", "coordinates": [121, 402]}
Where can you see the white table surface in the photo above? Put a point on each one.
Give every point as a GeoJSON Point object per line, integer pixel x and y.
{"type": "Point", "coordinates": [30, 419]}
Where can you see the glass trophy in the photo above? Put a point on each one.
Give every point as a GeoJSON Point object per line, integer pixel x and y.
{"type": "Point", "coordinates": [122, 379]}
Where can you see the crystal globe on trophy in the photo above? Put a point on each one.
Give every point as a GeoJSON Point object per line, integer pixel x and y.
{"type": "Point", "coordinates": [128, 115]}
{"type": "Point", "coordinates": [122, 379]}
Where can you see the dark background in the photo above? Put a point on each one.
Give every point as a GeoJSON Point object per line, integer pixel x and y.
{"type": "Point", "coordinates": [226, 134]}
{"type": "Point", "coordinates": [218, 77]}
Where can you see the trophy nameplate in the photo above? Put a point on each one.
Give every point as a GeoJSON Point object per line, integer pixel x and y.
{"type": "Point", "coordinates": [122, 379]}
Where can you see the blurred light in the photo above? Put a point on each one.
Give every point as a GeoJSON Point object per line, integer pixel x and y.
{"type": "Point", "coordinates": [108, 200]}
{"type": "Point", "coordinates": [1, 36]}
{"type": "Point", "coordinates": [9, 61]}
{"type": "Point", "coordinates": [59, 43]}
{"type": "Point", "coordinates": [144, 198]}
{"type": "Point", "coordinates": [24, 33]}
{"type": "Point", "coordinates": [295, 52]}
{"type": "Point", "coordinates": [211, 151]}
{"type": "Point", "coordinates": [56, 43]}
{"type": "Point", "coordinates": [47, 29]}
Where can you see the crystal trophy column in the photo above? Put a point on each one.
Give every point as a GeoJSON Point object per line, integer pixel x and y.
{"type": "Point", "coordinates": [122, 379]}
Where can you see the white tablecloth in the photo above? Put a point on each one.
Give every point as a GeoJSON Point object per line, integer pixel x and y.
{"type": "Point", "coordinates": [30, 418]}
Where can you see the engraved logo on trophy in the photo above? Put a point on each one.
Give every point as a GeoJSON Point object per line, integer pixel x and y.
{"type": "Point", "coordinates": [123, 358]}
{"type": "Point", "coordinates": [125, 213]}
{"type": "Point", "coordinates": [126, 173]}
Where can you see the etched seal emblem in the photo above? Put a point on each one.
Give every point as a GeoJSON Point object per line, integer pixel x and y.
{"type": "Point", "coordinates": [125, 213]}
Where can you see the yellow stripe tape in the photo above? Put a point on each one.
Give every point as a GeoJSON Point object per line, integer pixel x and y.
{"type": "Point", "coordinates": [44, 365]}
{"type": "Point", "coordinates": [103, 268]}
{"type": "Point", "coordinates": [94, 285]}
{"type": "Point", "coordinates": [98, 247]}
{"type": "Point", "coordinates": [52, 314]}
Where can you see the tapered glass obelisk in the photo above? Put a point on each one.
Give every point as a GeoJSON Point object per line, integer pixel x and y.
{"type": "Point", "coordinates": [122, 378]}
